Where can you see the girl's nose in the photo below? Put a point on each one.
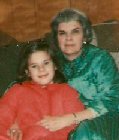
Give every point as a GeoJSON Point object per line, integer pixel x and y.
{"type": "Point", "coordinates": [41, 68]}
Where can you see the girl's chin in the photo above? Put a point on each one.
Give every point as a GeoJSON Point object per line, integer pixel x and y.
{"type": "Point", "coordinates": [44, 83]}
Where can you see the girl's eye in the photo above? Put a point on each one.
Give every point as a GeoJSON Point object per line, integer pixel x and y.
{"type": "Point", "coordinates": [33, 66]}
{"type": "Point", "coordinates": [46, 62]}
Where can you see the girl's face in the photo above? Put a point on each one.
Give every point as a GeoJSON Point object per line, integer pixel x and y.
{"type": "Point", "coordinates": [41, 68]}
{"type": "Point", "coordinates": [70, 38]}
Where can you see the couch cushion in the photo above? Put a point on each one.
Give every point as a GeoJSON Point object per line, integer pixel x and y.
{"type": "Point", "coordinates": [9, 58]}
{"type": "Point", "coordinates": [108, 35]}
{"type": "Point", "coordinates": [116, 57]}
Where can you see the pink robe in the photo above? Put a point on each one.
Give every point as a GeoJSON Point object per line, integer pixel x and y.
{"type": "Point", "coordinates": [29, 102]}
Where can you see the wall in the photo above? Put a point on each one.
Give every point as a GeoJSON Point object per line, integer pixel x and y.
{"type": "Point", "coordinates": [29, 19]}
{"type": "Point", "coordinates": [98, 10]}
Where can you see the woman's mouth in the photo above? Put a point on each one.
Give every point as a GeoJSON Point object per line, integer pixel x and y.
{"type": "Point", "coordinates": [69, 45]}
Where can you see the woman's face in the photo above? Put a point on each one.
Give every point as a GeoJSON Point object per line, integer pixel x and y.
{"type": "Point", "coordinates": [70, 38]}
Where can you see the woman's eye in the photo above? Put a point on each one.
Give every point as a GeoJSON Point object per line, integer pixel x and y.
{"type": "Point", "coordinates": [61, 33]}
{"type": "Point", "coordinates": [76, 31]}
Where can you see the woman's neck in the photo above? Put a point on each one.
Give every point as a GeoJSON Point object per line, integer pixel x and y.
{"type": "Point", "coordinates": [73, 56]}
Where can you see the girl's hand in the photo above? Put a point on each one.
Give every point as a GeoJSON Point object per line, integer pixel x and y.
{"type": "Point", "coordinates": [14, 132]}
{"type": "Point", "coordinates": [54, 123]}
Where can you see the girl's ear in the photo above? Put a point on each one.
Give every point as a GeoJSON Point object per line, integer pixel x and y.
{"type": "Point", "coordinates": [55, 68]}
{"type": "Point", "coordinates": [27, 73]}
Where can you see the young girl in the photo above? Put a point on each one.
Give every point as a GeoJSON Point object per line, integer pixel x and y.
{"type": "Point", "coordinates": [41, 92]}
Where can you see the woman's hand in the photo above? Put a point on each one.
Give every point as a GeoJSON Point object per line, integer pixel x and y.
{"type": "Point", "coordinates": [54, 123]}
{"type": "Point", "coordinates": [14, 132]}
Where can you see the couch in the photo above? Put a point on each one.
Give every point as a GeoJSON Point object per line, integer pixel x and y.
{"type": "Point", "coordinates": [106, 36]}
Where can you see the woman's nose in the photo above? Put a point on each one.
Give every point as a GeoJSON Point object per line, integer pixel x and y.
{"type": "Point", "coordinates": [68, 37]}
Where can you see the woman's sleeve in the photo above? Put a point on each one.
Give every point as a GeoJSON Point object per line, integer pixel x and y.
{"type": "Point", "coordinates": [101, 89]}
{"type": "Point", "coordinates": [107, 83]}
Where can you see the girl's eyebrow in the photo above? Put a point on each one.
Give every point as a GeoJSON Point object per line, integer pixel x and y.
{"type": "Point", "coordinates": [49, 59]}
{"type": "Point", "coordinates": [34, 63]}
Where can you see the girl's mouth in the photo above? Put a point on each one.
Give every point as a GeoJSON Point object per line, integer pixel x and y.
{"type": "Point", "coordinates": [43, 76]}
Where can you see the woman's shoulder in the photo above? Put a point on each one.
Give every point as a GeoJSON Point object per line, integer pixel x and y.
{"type": "Point", "coordinates": [99, 59]}
{"type": "Point", "coordinates": [94, 50]}
{"type": "Point", "coordinates": [96, 54]}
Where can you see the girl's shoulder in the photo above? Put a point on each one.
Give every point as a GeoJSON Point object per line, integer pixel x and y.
{"type": "Point", "coordinates": [65, 87]}
{"type": "Point", "coordinates": [16, 87]}
{"type": "Point", "coordinates": [61, 85]}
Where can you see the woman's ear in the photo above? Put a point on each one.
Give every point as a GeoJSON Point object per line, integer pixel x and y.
{"type": "Point", "coordinates": [84, 40]}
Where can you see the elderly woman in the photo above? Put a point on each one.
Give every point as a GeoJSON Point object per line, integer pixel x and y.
{"type": "Point", "coordinates": [92, 72]}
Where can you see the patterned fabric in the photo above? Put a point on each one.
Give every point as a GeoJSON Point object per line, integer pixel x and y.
{"type": "Point", "coordinates": [95, 76]}
{"type": "Point", "coordinates": [105, 127]}
{"type": "Point", "coordinates": [29, 102]}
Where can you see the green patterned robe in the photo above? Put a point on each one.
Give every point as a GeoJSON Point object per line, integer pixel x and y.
{"type": "Point", "coordinates": [95, 76]}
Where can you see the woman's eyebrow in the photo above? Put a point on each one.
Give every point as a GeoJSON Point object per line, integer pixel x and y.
{"type": "Point", "coordinates": [61, 30]}
{"type": "Point", "coordinates": [77, 28]}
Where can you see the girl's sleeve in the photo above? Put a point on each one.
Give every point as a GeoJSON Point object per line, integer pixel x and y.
{"type": "Point", "coordinates": [8, 108]}
{"type": "Point", "coordinates": [100, 90]}
{"type": "Point", "coordinates": [71, 100]}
